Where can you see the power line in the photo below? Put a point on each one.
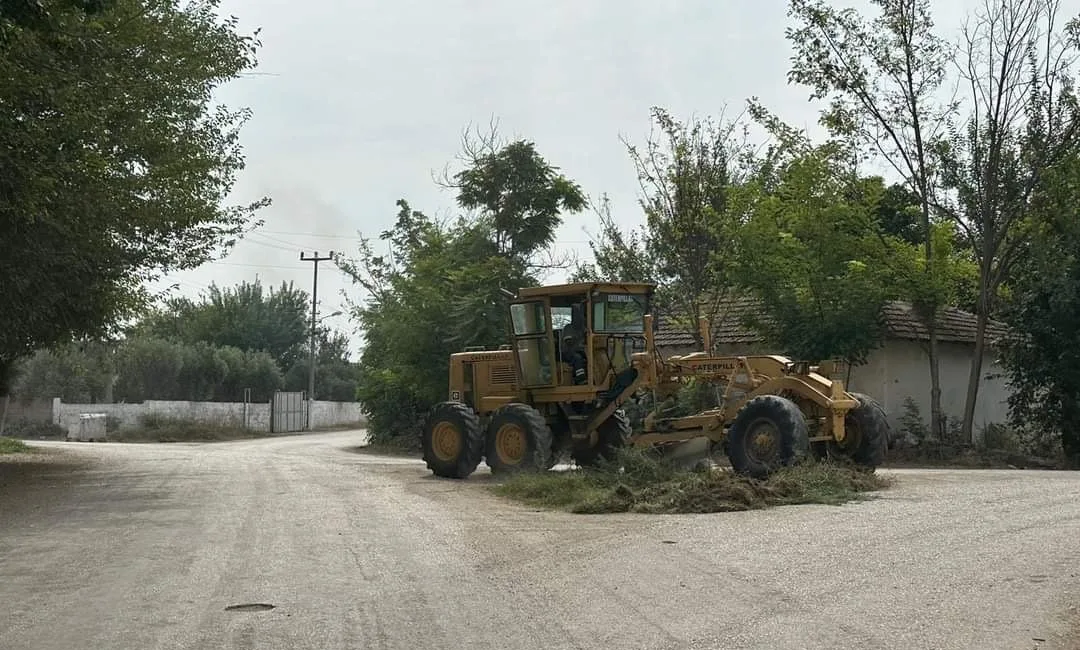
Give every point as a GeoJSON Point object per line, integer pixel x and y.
{"type": "Point", "coordinates": [357, 236]}
{"type": "Point", "coordinates": [278, 247]}
{"type": "Point", "coordinates": [273, 239]}
{"type": "Point", "coordinates": [259, 266]}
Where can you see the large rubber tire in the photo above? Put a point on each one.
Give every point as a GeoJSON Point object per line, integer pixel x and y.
{"type": "Point", "coordinates": [518, 440]}
{"type": "Point", "coordinates": [866, 434]}
{"type": "Point", "coordinates": [613, 434]}
{"type": "Point", "coordinates": [453, 441]}
{"type": "Point", "coordinates": [775, 417]}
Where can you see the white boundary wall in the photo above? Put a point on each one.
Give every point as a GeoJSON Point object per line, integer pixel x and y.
{"type": "Point", "coordinates": [237, 414]}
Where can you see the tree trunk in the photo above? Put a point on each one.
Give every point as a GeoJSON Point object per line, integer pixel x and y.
{"type": "Point", "coordinates": [7, 370]}
{"type": "Point", "coordinates": [1070, 431]}
{"type": "Point", "coordinates": [974, 378]}
{"type": "Point", "coordinates": [3, 415]}
{"type": "Point", "coordinates": [937, 416]}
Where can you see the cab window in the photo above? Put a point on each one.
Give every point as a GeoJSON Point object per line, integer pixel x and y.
{"type": "Point", "coordinates": [528, 318]}
{"type": "Point", "coordinates": [619, 313]}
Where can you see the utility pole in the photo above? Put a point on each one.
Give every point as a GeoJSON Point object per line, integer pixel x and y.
{"type": "Point", "coordinates": [314, 259]}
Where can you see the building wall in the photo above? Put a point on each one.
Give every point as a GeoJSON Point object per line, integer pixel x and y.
{"type": "Point", "coordinates": [38, 410]}
{"type": "Point", "coordinates": [253, 416]}
{"type": "Point", "coordinates": [901, 369]}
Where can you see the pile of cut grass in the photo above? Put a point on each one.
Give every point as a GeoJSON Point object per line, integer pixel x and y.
{"type": "Point", "coordinates": [640, 483]}
{"type": "Point", "coordinates": [12, 445]}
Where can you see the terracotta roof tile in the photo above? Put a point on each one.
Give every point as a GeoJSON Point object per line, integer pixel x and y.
{"type": "Point", "coordinates": [954, 325]}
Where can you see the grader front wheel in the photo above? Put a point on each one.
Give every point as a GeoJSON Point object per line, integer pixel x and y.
{"type": "Point", "coordinates": [768, 433]}
{"type": "Point", "coordinates": [866, 435]}
{"type": "Point", "coordinates": [612, 434]}
{"type": "Point", "coordinates": [518, 439]}
{"type": "Point", "coordinates": [452, 440]}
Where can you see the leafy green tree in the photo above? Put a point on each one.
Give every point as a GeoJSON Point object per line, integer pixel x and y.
{"type": "Point", "coordinates": [78, 373]}
{"type": "Point", "coordinates": [897, 213]}
{"type": "Point", "coordinates": [816, 257]}
{"type": "Point", "coordinates": [440, 289]}
{"type": "Point", "coordinates": [248, 369]}
{"type": "Point", "coordinates": [688, 245]}
{"type": "Point", "coordinates": [1042, 357]}
{"type": "Point", "coordinates": [882, 78]}
{"type": "Point", "coordinates": [244, 316]}
{"type": "Point", "coordinates": [976, 160]}
{"type": "Point", "coordinates": [336, 376]}
{"type": "Point", "coordinates": [148, 369]}
{"type": "Point", "coordinates": [116, 164]}
{"type": "Point", "coordinates": [35, 14]}
{"type": "Point", "coordinates": [520, 197]}
{"type": "Point", "coordinates": [1019, 121]}
{"type": "Point", "coordinates": [202, 370]}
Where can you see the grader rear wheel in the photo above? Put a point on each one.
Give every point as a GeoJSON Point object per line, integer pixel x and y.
{"type": "Point", "coordinates": [452, 440]}
{"type": "Point", "coordinates": [768, 433]}
{"type": "Point", "coordinates": [518, 440]}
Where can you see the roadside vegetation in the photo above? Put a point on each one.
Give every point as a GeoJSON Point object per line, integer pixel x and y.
{"type": "Point", "coordinates": [977, 212]}
{"type": "Point", "coordinates": [157, 428]}
{"type": "Point", "coordinates": [975, 215]}
{"type": "Point", "coordinates": [12, 446]}
{"type": "Point", "coordinates": [999, 446]}
{"type": "Point", "coordinates": [638, 482]}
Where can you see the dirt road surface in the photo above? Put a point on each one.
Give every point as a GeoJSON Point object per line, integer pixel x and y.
{"type": "Point", "coordinates": [107, 546]}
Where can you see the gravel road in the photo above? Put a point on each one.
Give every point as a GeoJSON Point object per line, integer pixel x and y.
{"type": "Point", "coordinates": [108, 546]}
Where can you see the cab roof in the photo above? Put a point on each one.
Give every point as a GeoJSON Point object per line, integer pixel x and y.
{"type": "Point", "coordinates": [582, 288]}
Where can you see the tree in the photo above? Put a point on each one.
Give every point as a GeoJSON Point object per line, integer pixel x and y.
{"type": "Point", "coordinates": [1021, 119]}
{"type": "Point", "coordinates": [1041, 357]}
{"type": "Point", "coordinates": [148, 369]}
{"type": "Point", "coordinates": [35, 15]}
{"type": "Point", "coordinates": [688, 244]}
{"type": "Point", "coordinates": [244, 316]}
{"type": "Point", "coordinates": [440, 289]}
{"type": "Point", "coordinates": [336, 377]}
{"type": "Point", "coordinates": [248, 369]}
{"type": "Point", "coordinates": [881, 77]}
{"type": "Point", "coordinates": [116, 165]}
{"type": "Point", "coordinates": [897, 212]}
{"type": "Point", "coordinates": [815, 256]}
{"type": "Point", "coordinates": [520, 197]}
{"type": "Point", "coordinates": [159, 369]}
{"type": "Point", "coordinates": [202, 371]}
{"type": "Point", "coordinates": [78, 373]}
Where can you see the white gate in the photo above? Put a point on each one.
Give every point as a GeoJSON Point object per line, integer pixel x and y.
{"type": "Point", "coordinates": [288, 412]}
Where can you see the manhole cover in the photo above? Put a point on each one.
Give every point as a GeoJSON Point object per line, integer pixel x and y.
{"type": "Point", "coordinates": [249, 607]}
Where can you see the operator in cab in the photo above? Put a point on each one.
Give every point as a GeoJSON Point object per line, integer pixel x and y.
{"type": "Point", "coordinates": [573, 344]}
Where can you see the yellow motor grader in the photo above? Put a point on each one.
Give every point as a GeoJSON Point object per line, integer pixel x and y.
{"type": "Point", "coordinates": [580, 351]}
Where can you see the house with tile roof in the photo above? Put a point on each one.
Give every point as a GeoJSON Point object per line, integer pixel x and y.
{"type": "Point", "coordinates": [899, 369]}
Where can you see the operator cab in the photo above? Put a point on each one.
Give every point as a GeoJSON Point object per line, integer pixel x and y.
{"type": "Point", "coordinates": [578, 335]}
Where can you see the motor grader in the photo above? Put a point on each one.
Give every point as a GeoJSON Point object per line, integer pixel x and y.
{"type": "Point", "coordinates": [580, 352]}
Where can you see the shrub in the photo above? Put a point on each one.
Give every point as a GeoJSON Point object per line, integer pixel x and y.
{"type": "Point", "coordinates": [34, 429]}
{"type": "Point", "coordinates": [155, 427]}
{"type": "Point", "coordinates": [12, 446]}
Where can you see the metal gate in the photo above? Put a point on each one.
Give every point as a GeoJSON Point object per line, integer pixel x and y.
{"type": "Point", "coordinates": [288, 412]}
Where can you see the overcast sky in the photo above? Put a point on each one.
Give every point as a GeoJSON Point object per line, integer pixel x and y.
{"type": "Point", "coordinates": [357, 103]}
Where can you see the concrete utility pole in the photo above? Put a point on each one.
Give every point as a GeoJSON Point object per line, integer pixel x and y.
{"type": "Point", "coordinates": [314, 259]}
